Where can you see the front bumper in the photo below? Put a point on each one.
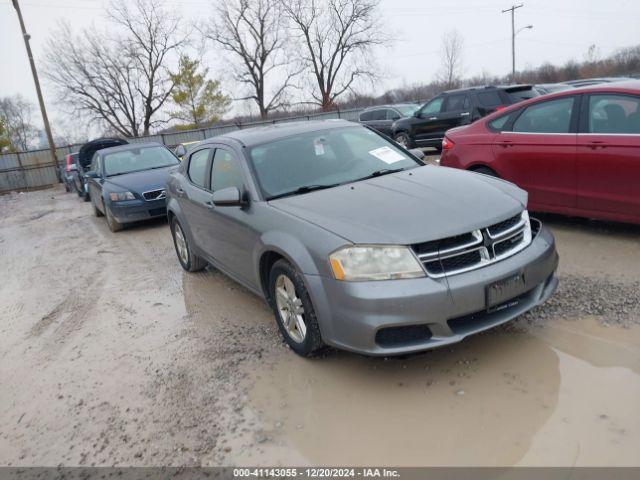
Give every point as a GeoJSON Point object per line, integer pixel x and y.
{"type": "Point", "coordinates": [136, 210]}
{"type": "Point", "coordinates": [351, 314]}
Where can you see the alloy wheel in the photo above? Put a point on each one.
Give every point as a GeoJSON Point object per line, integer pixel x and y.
{"type": "Point", "coordinates": [290, 308]}
{"type": "Point", "coordinates": [181, 244]}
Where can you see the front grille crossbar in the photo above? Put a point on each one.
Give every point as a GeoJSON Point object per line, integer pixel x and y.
{"type": "Point", "coordinates": [480, 247]}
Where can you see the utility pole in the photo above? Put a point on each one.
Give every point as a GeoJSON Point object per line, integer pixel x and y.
{"type": "Point", "coordinates": [45, 119]}
{"type": "Point", "coordinates": [513, 39]}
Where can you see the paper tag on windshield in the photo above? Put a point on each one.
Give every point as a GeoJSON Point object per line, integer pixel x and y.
{"type": "Point", "coordinates": [319, 147]}
{"type": "Point", "coordinates": [387, 155]}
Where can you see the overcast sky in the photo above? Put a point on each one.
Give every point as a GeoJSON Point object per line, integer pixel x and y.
{"type": "Point", "coordinates": [563, 29]}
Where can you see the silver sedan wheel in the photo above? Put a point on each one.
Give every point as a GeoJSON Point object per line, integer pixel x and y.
{"type": "Point", "coordinates": [403, 140]}
{"type": "Point", "coordinates": [290, 309]}
{"type": "Point", "coordinates": [181, 244]}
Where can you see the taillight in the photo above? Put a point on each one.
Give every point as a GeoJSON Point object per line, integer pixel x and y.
{"type": "Point", "coordinates": [68, 163]}
{"type": "Point", "coordinates": [447, 143]}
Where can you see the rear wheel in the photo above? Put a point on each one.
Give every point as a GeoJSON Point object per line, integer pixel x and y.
{"type": "Point", "coordinates": [113, 224]}
{"type": "Point", "coordinates": [485, 171]}
{"type": "Point", "coordinates": [189, 261]}
{"type": "Point", "coordinates": [294, 312]}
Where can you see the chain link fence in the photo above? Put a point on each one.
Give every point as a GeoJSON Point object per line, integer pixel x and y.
{"type": "Point", "coordinates": [33, 169]}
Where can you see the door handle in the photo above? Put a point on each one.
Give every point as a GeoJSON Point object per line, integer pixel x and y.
{"type": "Point", "coordinates": [505, 144]}
{"type": "Point", "coordinates": [597, 143]}
{"type": "Point", "coordinates": [464, 114]}
{"type": "Point", "coordinates": [432, 118]}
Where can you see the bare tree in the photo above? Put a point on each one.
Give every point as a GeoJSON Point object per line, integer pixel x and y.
{"type": "Point", "coordinates": [337, 38]}
{"type": "Point", "coordinates": [252, 32]}
{"type": "Point", "coordinates": [16, 115]}
{"type": "Point", "coordinates": [451, 57]}
{"type": "Point", "coordinates": [152, 34]}
{"type": "Point", "coordinates": [119, 78]}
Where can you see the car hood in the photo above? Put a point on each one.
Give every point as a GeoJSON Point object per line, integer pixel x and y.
{"type": "Point", "coordinates": [144, 181]}
{"type": "Point", "coordinates": [418, 205]}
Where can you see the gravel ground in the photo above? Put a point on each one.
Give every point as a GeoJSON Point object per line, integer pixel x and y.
{"type": "Point", "coordinates": [110, 354]}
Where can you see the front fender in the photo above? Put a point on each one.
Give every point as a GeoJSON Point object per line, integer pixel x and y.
{"type": "Point", "coordinates": [290, 248]}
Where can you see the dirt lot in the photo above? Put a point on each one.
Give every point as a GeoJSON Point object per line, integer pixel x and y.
{"type": "Point", "coordinates": [111, 355]}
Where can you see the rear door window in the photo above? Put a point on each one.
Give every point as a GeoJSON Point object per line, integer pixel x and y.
{"type": "Point", "coordinates": [366, 116]}
{"type": "Point", "coordinates": [456, 103]}
{"type": "Point", "coordinates": [614, 114]}
{"type": "Point", "coordinates": [380, 114]}
{"type": "Point", "coordinates": [553, 116]}
{"type": "Point", "coordinates": [198, 167]}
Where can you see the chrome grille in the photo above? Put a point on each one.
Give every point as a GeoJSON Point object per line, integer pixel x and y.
{"type": "Point", "coordinates": [475, 249]}
{"type": "Point", "coordinates": [154, 195]}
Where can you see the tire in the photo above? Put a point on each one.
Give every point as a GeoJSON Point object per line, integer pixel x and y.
{"type": "Point", "coordinates": [486, 171]}
{"type": "Point", "coordinates": [86, 197]}
{"type": "Point", "coordinates": [113, 224]}
{"type": "Point", "coordinates": [404, 139]}
{"type": "Point", "coordinates": [301, 332]}
{"type": "Point", "coordinates": [189, 260]}
{"type": "Point", "coordinates": [96, 210]}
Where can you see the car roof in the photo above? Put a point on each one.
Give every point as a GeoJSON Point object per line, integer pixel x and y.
{"type": "Point", "coordinates": [257, 135]}
{"type": "Point", "coordinates": [130, 146]}
{"type": "Point", "coordinates": [625, 86]}
{"type": "Point", "coordinates": [490, 87]}
{"type": "Point", "coordinates": [391, 105]}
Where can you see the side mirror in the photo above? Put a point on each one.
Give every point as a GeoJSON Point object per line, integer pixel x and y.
{"type": "Point", "coordinates": [228, 197]}
{"type": "Point", "coordinates": [180, 151]}
{"type": "Point", "coordinates": [417, 114]}
{"type": "Point", "coordinates": [416, 152]}
{"type": "Point", "coordinates": [73, 167]}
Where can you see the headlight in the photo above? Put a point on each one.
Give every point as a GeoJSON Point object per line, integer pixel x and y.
{"type": "Point", "coordinates": [120, 196]}
{"type": "Point", "coordinates": [374, 263]}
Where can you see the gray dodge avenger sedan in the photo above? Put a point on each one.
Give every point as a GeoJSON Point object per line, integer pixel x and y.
{"type": "Point", "coordinates": [354, 242]}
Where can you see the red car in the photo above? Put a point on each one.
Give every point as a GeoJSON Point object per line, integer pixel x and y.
{"type": "Point", "coordinates": [576, 152]}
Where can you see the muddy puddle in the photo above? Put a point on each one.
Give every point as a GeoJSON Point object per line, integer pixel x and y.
{"type": "Point", "coordinates": [563, 394]}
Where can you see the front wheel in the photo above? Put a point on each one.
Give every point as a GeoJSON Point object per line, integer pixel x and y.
{"type": "Point", "coordinates": [96, 210]}
{"type": "Point", "coordinates": [113, 224]}
{"type": "Point", "coordinates": [294, 312]}
{"type": "Point", "coordinates": [404, 139]}
{"type": "Point", "coordinates": [189, 261]}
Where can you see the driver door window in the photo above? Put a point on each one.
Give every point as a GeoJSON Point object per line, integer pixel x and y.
{"type": "Point", "coordinates": [226, 171]}
{"type": "Point", "coordinates": [432, 108]}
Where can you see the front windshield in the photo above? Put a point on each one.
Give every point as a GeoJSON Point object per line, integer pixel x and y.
{"type": "Point", "coordinates": [321, 158]}
{"type": "Point", "coordinates": [137, 159]}
{"type": "Point", "coordinates": [407, 110]}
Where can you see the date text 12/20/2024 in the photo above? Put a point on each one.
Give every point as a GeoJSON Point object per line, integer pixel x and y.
{"type": "Point", "coordinates": [315, 473]}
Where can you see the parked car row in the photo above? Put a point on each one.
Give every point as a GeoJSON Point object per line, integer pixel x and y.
{"type": "Point", "coordinates": [124, 182]}
{"type": "Point", "coordinates": [355, 243]}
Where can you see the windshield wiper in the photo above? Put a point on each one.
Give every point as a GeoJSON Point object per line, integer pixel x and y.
{"type": "Point", "coordinates": [303, 189]}
{"type": "Point", "coordinates": [379, 173]}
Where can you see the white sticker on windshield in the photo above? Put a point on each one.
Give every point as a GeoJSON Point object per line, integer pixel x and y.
{"type": "Point", "coordinates": [387, 155]}
{"type": "Point", "coordinates": [319, 147]}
